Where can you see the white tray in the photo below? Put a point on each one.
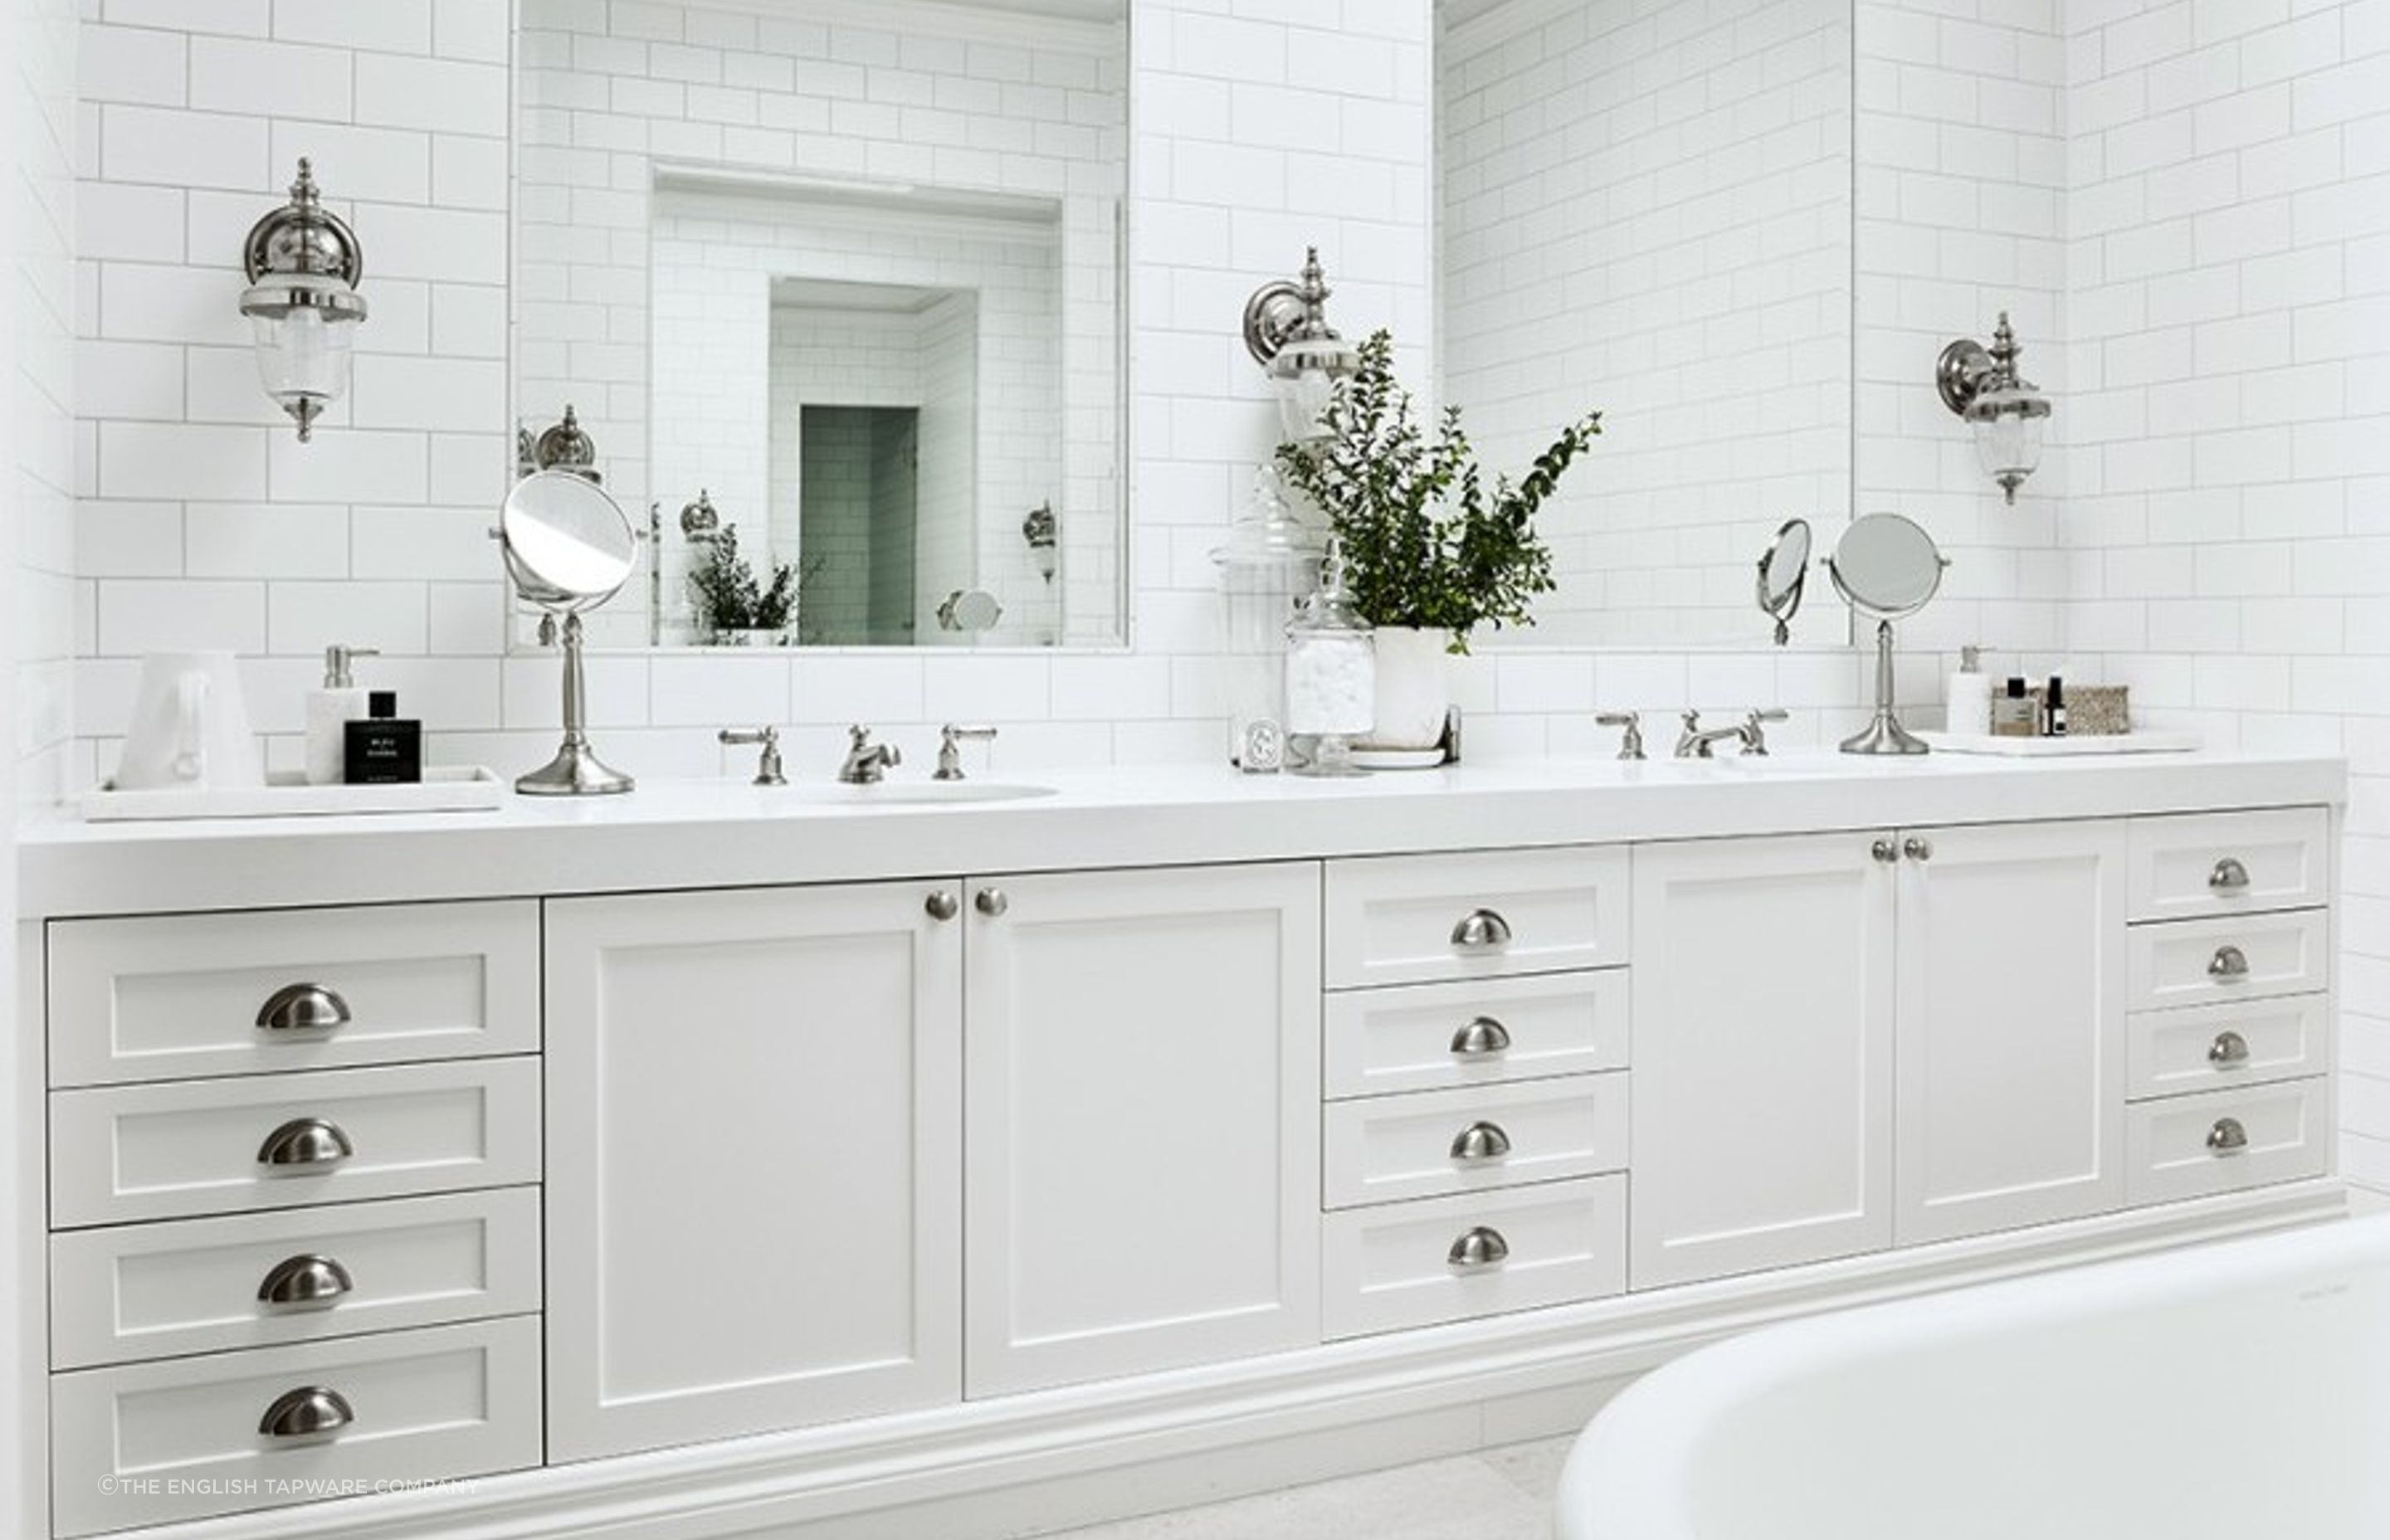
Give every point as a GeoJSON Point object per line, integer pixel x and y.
{"type": "Point", "coordinates": [443, 789]}
{"type": "Point", "coordinates": [2062, 748]}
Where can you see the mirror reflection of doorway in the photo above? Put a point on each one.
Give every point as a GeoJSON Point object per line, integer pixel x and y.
{"type": "Point", "coordinates": [859, 502]}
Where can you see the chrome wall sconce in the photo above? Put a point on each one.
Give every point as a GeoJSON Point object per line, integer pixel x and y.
{"type": "Point", "coordinates": [1287, 332]}
{"type": "Point", "coordinates": [2006, 411]}
{"type": "Point", "coordinates": [563, 446]}
{"type": "Point", "coordinates": [303, 263]}
{"type": "Point", "coordinates": [700, 522]}
{"type": "Point", "coordinates": [1038, 530]}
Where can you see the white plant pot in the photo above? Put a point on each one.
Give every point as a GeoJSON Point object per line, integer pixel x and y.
{"type": "Point", "coordinates": [1414, 688]}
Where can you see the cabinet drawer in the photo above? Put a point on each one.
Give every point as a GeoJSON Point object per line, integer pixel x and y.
{"type": "Point", "coordinates": [185, 996]}
{"type": "Point", "coordinates": [1392, 1268]}
{"type": "Point", "coordinates": [182, 1439]}
{"type": "Point", "coordinates": [196, 1147]}
{"type": "Point", "coordinates": [2203, 864]}
{"type": "Point", "coordinates": [2201, 962]}
{"type": "Point", "coordinates": [136, 1291]}
{"type": "Point", "coordinates": [1421, 918]}
{"type": "Point", "coordinates": [1423, 1037]}
{"type": "Point", "coordinates": [1387, 1149]}
{"type": "Point", "coordinates": [2210, 1047]}
{"type": "Point", "coordinates": [2190, 1146]}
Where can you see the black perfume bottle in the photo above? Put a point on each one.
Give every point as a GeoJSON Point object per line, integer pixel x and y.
{"type": "Point", "coordinates": [383, 749]}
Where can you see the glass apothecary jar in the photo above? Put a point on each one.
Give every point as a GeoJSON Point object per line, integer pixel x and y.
{"type": "Point", "coordinates": [1271, 560]}
{"type": "Point", "coordinates": [1332, 674]}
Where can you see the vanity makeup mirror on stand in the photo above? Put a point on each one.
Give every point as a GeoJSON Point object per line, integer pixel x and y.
{"type": "Point", "coordinates": [1784, 575]}
{"type": "Point", "coordinates": [569, 548]}
{"type": "Point", "coordinates": [1887, 569]}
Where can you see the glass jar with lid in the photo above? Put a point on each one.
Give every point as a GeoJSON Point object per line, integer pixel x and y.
{"type": "Point", "coordinates": [1332, 674]}
{"type": "Point", "coordinates": [1270, 561]}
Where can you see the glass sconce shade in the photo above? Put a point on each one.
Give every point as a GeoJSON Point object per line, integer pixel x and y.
{"type": "Point", "coordinates": [2008, 423]}
{"type": "Point", "coordinates": [1286, 329]}
{"type": "Point", "coordinates": [303, 326]}
{"type": "Point", "coordinates": [1039, 530]}
{"type": "Point", "coordinates": [303, 263]}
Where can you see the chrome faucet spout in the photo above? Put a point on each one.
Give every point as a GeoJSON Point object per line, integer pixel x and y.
{"type": "Point", "coordinates": [867, 763]}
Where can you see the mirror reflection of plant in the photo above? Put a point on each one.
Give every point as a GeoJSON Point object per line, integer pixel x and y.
{"type": "Point", "coordinates": [1426, 544]}
{"type": "Point", "coordinates": [727, 595]}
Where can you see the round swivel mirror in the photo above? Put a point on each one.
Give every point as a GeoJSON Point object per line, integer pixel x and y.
{"type": "Point", "coordinates": [1887, 568]}
{"type": "Point", "coordinates": [1783, 573]}
{"type": "Point", "coordinates": [568, 547]}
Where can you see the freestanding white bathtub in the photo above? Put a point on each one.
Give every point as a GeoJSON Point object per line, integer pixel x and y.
{"type": "Point", "coordinates": [2232, 1391]}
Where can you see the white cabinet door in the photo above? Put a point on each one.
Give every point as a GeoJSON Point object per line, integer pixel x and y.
{"type": "Point", "coordinates": [755, 1166]}
{"type": "Point", "coordinates": [2013, 1043]}
{"type": "Point", "coordinates": [1142, 1121]}
{"type": "Point", "coordinates": [1762, 1099]}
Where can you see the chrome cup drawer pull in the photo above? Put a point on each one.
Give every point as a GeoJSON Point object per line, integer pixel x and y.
{"type": "Point", "coordinates": [2226, 1137]}
{"type": "Point", "coordinates": [2228, 876]}
{"type": "Point", "coordinates": [304, 1281]}
{"type": "Point", "coordinates": [1479, 1142]}
{"type": "Point", "coordinates": [304, 1008]}
{"type": "Point", "coordinates": [310, 1411]}
{"type": "Point", "coordinates": [2229, 1051]}
{"type": "Point", "coordinates": [2229, 966]}
{"type": "Point", "coordinates": [1479, 1249]}
{"type": "Point", "coordinates": [1481, 931]}
{"type": "Point", "coordinates": [306, 1142]}
{"type": "Point", "coordinates": [1481, 1038]}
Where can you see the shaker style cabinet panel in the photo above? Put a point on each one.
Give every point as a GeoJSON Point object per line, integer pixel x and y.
{"type": "Point", "coordinates": [754, 1174]}
{"type": "Point", "coordinates": [1762, 1099]}
{"type": "Point", "coordinates": [2012, 1046]}
{"type": "Point", "coordinates": [1143, 1122]}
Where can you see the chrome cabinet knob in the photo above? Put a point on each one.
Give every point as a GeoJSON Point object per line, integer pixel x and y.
{"type": "Point", "coordinates": [1916, 849]}
{"type": "Point", "coordinates": [942, 905]}
{"type": "Point", "coordinates": [1481, 1038]}
{"type": "Point", "coordinates": [2226, 1137]}
{"type": "Point", "coordinates": [1480, 931]}
{"type": "Point", "coordinates": [2230, 965]}
{"type": "Point", "coordinates": [310, 1411]}
{"type": "Point", "coordinates": [306, 1142]}
{"type": "Point", "coordinates": [2228, 876]}
{"type": "Point", "coordinates": [1478, 1143]}
{"type": "Point", "coordinates": [2230, 1050]}
{"type": "Point", "coordinates": [1884, 851]}
{"type": "Point", "coordinates": [1480, 1249]}
{"type": "Point", "coordinates": [991, 901]}
{"type": "Point", "coordinates": [305, 1280]}
{"type": "Point", "coordinates": [302, 1008]}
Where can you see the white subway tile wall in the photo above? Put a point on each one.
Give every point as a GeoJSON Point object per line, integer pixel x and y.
{"type": "Point", "coordinates": [2226, 528]}
{"type": "Point", "coordinates": [38, 364]}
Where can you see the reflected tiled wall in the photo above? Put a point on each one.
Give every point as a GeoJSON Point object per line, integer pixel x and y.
{"type": "Point", "coordinates": [38, 369]}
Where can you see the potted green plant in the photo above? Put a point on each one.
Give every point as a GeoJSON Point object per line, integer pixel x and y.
{"type": "Point", "coordinates": [1431, 552]}
{"type": "Point", "coordinates": [733, 607]}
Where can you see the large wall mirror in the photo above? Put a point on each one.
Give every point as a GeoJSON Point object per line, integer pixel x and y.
{"type": "Point", "coordinates": [833, 290]}
{"type": "Point", "coordinates": [1647, 208]}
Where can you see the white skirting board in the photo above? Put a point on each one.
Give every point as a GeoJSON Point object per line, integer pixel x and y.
{"type": "Point", "coordinates": [1053, 1460]}
{"type": "Point", "coordinates": [443, 789]}
{"type": "Point", "coordinates": [2069, 746]}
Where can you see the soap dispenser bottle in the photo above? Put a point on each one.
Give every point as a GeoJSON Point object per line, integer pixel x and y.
{"type": "Point", "coordinates": [1969, 696]}
{"type": "Point", "coordinates": [329, 711]}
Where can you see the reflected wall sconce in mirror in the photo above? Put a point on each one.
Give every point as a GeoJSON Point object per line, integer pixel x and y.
{"type": "Point", "coordinates": [1981, 385]}
{"type": "Point", "coordinates": [563, 446]}
{"type": "Point", "coordinates": [1287, 332]}
{"type": "Point", "coordinates": [303, 263]}
{"type": "Point", "coordinates": [1038, 530]}
{"type": "Point", "coordinates": [699, 522]}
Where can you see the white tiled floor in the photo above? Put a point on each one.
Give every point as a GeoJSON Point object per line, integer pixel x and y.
{"type": "Point", "coordinates": [1500, 1495]}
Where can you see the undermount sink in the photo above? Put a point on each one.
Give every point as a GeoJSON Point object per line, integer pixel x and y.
{"type": "Point", "coordinates": [918, 793]}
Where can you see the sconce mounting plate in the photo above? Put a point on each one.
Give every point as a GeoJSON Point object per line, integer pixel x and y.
{"type": "Point", "coordinates": [1271, 317]}
{"type": "Point", "coordinates": [304, 237]}
{"type": "Point", "coordinates": [1960, 373]}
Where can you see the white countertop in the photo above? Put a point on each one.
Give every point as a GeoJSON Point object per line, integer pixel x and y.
{"type": "Point", "coordinates": [728, 834]}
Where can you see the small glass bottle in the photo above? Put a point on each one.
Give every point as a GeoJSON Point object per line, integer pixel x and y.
{"type": "Point", "coordinates": [1332, 674]}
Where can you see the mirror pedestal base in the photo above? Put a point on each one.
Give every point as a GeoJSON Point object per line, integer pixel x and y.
{"type": "Point", "coordinates": [1885, 734]}
{"type": "Point", "coordinates": [576, 771]}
